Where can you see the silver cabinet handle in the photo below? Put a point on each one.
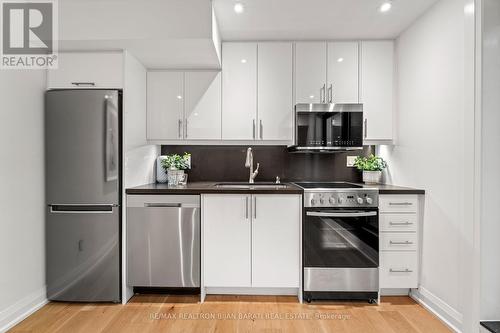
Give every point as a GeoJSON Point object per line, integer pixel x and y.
{"type": "Point", "coordinates": [400, 203]}
{"type": "Point", "coordinates": [185, 128]}
{"type": "Point", "coordinates": [86, 84]}
{"type": "Point", "coordinates": [179, 129]}
{"type": "Point", "coordinates": [255, 207]}
{"type": "Point", "coordinates": [366, 128]}
{"type": "Point", "coordinates": [322, 94]}
{"type": "Point", "coordinates": [80, 245]}
{"type": "Point", "coordinates": [253, 130]}
{"type": "Point", "coordinates": [246, 208]}
{"type": "Point", "coordinates": [162, 205]}
{"type": "Point", "coordinates": [330, 93]}
{"type": "Point", "coordinates": [400, 243]}
{"type": "Point", "coordinates": [400, 223]}
{"type": "Point", "coordinates": [404, 270]}
{"type": "Point", "coordinates": [261, 130]}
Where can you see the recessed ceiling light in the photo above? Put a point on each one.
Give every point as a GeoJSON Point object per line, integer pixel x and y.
{"type": "Point", "coordinates": [385, 7]}
{"type": "Point", "coordinates": [239, 8]}
{"type": "Point", "coordinates": [243, 61]}
{"type": "Point", "coordinates": [340, 59]}
{"type": "Point", "coordinates": [179, 97]}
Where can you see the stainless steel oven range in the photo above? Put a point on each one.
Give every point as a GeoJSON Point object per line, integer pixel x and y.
{"type": "Point", "coordinates": [340, 242]}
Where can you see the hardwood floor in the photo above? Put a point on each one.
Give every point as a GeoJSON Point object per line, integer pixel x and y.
{"type": "Point", "coordinates": [161, 313]}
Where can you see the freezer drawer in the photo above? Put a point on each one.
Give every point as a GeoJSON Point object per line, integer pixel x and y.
{"type": "Point", "coordinates": [163, 241]}
{"type": "Point", "coordinates": [83, 253]}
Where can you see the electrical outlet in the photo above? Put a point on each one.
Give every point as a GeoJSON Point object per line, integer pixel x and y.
{"type": "Point", "coordinates": [350, 161]}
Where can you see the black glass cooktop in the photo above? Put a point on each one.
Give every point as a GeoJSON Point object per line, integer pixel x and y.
{"type": "Point", "coordinates": [332, 185]}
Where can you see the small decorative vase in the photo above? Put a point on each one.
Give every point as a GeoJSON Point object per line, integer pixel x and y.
{"type": "Point", "coordinates": [372, 177]}
{"type": "Point", "coordinates": [161, 174]}
{"type": "Point", "coordinates": [174, 177]}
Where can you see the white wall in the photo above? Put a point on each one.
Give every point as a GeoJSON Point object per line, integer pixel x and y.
{"type": "Point", "coordinates": [22, 198]}
{"type": "Point", "coordinates": [429, 151]}
{"type": "Point", "coordinates": [490, 161]}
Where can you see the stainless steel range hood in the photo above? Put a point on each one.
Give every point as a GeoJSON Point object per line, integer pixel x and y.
{"type": "Point", "coordinates": [328, 128]}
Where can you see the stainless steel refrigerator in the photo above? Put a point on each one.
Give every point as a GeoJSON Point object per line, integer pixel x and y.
{"type": "Point", "coordinates": [83, 190]}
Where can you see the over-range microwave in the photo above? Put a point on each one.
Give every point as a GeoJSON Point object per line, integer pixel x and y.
{"type": "Point", "coordinates": [326, 128]}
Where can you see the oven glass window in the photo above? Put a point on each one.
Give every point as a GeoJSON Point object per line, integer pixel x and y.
{"type": "Point", "coordinates": [345, 241]}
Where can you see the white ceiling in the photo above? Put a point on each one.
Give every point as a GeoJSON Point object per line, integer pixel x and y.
{"type": "Point", "coordinates": [316, 19]}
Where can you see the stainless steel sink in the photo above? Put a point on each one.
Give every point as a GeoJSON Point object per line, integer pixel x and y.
{"type": "Point", "coordinates": [258, 185]}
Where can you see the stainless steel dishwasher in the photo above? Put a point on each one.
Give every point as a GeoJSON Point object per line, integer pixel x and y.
{"type": "Point", "coordinates": [163, 240]}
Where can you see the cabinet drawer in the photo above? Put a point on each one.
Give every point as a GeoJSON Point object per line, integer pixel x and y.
{"type": "Point", "coordinates": [87, 70]}
{"type": "Point", "coordinates": [398, 222]}
{"type": "Point", "coordinates": [398, 241]}
{"type": "Point", "coordinates": [398, 203]}
{"type": "Point", "coordinates": [398, 270]}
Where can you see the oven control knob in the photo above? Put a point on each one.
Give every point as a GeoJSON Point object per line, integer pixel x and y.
{"type": "Point", "coordinates": [341, 201]}
{"type": "Point", "coordinates": [321, 201]}
{"type": "Point", "coordinates": [369, 200]}
{"type": "Point", "coordinates": [360, 200]}
{"type": "Point", "coordinates": [313, 202]}
{"type": "Point", "coordinates": [332, 201]}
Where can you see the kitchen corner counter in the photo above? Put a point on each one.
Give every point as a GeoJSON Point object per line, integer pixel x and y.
{"type": "Point", "coordinates": [393, 189]}
{"type": "Point", "coordinates": [208, 187]}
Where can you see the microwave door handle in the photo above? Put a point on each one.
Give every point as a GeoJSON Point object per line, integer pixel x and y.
{"type": "Point", "coordinates": [357, 214]}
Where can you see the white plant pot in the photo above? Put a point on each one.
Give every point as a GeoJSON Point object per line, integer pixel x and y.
{"type": "Point", "coordinates": [372, 177]}
{"type": "Point", "coordinates": [175, 177]}
{"type": "Point", "coordinates": [161, 174]}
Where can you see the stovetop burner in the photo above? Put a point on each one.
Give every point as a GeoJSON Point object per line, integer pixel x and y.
{"type": "Point", "coordinates": [328, 185]}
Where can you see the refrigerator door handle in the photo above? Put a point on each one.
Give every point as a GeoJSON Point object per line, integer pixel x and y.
{"type": "Point", "coordinates": [82, 209]}
{"type": "Point", "coordinates": [112, 138]}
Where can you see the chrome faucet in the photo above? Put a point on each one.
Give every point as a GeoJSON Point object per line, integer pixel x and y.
{"type": "Point", "coordinates": [249, 164]}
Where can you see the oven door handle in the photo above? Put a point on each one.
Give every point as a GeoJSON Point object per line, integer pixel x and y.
{"type": "Point", "coordinates": [362, 214]}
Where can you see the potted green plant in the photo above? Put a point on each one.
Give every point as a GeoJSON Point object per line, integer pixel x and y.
{"type": "Point", "coordinates": [372, 167]}
{"type": "Point", "coordinates": [174, 165]}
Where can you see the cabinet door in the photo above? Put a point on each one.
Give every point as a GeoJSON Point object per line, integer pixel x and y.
{"type": "Point", "coordinates": [87, 70]}
{"type": "Point", "coordinates": [226, 236]}
{"type": "Point", "coordinates": [275, 108]}
{"type": "Point", "coordinates": [239, 85]}
{"type": "Point", "coordinates": [310, 72]}
{"type": "Point", "coordinates": [343, 64]}
{"type": "Point", "coordinates": [202, 105]}
{"type": "Point", "coordinates": [165, 94]}
{"type": "Point", "coordinates": [377, 71]}
{"type": "Point", "coordinates": [276, 241]}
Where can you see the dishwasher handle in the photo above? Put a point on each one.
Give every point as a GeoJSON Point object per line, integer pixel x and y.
{"type": "Point", "coordinates": [169, 205]}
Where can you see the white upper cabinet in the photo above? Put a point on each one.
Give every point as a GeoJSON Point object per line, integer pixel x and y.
{"type": "Point", "coordinates": [343, 72]}
{"type": "Point", "coordinates": [165, 106]}
{"type": "Point", "coordinates": [276, 263]}
{"type": "Point", "coordinates": [86, 70]}
{"type": "Point", "coordinates": [310, 72]}
{"type": "Point", "coordinates": [202, 105]}
{"type": "Point", "coordinates": [226, 240]}
{"type": "Point", "coordinates": [377, 87]}
{"type": "Point", "coordinates": [275, 105]}
{"type": "Point", "coordinates": [239, 86]}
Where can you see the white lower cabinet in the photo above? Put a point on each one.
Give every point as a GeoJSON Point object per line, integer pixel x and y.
{"type": "Point", "coordinates": [251, 241]}
{"type": "Point", "coordinates": [399, 241]}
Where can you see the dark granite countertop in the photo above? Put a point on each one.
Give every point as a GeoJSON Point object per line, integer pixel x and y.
{"type": "Point", "coordinates": [393, 189]}
{"type": "Point", "coordinates": [209, 187]}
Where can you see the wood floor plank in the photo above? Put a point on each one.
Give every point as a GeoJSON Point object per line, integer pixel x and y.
{"type": "Point", "coordinates": [230, 313]}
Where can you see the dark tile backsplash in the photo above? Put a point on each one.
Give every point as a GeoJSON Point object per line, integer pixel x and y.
{"type": "Point", "coordinates": [227, 163]}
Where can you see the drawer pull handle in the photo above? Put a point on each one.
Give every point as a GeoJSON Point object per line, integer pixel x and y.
{"type": "Point", "coordinates": [405, 270]}
{"type": "Point", "coordinates": [79, 84]}
{"type": "Point", "coordinates": [400, 223]}
{"type": "Point", "coordinates": [400, 203]}
{"type": "Point", "coordinates": [401, 243]}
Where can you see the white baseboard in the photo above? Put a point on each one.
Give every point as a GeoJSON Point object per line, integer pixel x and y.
{"type": "Point", "coordinates": [394, 292]}
{"type": "Point", "coordinates": [20, 310]}
{"type": "Point", "coordinates": [251, 291]}
{"type": "Point", "coordinates": [448, 315]}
